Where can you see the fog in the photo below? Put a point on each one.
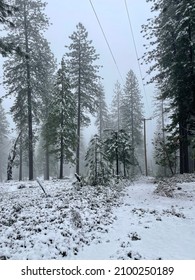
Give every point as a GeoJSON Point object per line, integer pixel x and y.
{"type": "Point", "coordinates": [113, 17]}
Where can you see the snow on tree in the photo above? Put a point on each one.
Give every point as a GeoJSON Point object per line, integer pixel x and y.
{"type": "Point", "coordinates": [132, 116]}
{"type": "Point", "coordinates": [3, 142]}
{"type": "Point", "coordinates": [61, 126]}
{"type": "Point", "coordinates": [102, 119]}
{"type": "Point", "coordinates": [115, 114]}
{"type": "Point", "coordinates": [97, 164]}
{"type": "Point", "coordinates": [118, 149]}
{"type": "Point", "coordinates": [23, 74]}
{"type": "Point", "coordinates": [165, 144]}
{"type": "Point", "coordinates": [46, 71]}
{"type": "Point", "coordinates": [172, 38]}
{"type": "Point", "coordinates": [6, 12]}
{"type": "Point", "coordinates": [84, 79]}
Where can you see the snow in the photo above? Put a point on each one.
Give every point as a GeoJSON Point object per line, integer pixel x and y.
{"type": "Point", "coordinates": [125, 221]}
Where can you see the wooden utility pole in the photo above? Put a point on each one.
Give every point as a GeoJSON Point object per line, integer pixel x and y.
{"type": "Point", "coordinates": [145, 146]}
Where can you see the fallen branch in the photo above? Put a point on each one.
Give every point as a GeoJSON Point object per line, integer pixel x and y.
{"type": "Point", "coordinates": [38, 181]}
{"type": "Point", "coordinates": [79, 179]}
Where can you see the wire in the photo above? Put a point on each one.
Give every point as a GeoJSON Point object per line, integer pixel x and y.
{"type": "Point", "coordinates": [134, 43]}
{"type": "Point", "coordinates": [106, 40]}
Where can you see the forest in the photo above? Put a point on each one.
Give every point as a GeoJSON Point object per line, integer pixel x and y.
{"type": "Point", "coordinates": [54, 103]}
{"type": "Point", "coordinates": [65, 197]}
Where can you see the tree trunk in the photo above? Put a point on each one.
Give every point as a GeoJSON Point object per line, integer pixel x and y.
{"type": "Point", "coordinates": [116, 152]}
{"type": "Point", "coordinates": [78, 118]}
{"type": "Point", "coordinates": [96, 163]}
{"type": "Point", "coordinates": [61, 157]}
{"type": "Point", "coordinates": [100, 117]}
{"type": "Point", "coordinates": [124, 163]}
{"type": "Point", "coordinates": [183, 148]}
{"type": "Point", "coordinates": [21, 159]}
{"type": "Point", "coordinates": [46, 173]}
{"type": "Point", "coordinates": [46, 177]}
{"type": "Point", "coordinates": [132, 135]}
{"type": "Point", "coordinates": [29, 99]}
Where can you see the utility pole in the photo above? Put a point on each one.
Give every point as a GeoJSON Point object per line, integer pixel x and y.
{"type": "Point", "coordinates": [145, 146]}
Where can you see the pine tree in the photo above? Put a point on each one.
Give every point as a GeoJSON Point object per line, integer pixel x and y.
{"type": "Point", "coordinates": [84, 79]}
{"type": "Point", "coordinates": [126, 153]}
{"type": "Point", "coordinates": [22, 73]}
{"type": "Point", "coordinates": [3, 142]}
{"type": "Point", "coordinates": [116, 107]}
{"type": "Point", "coordinates": [97, 164]}
{"type": "Point", "coordinates": [47, 69]}
{"type": "Point", "coordinates": [118, 149]}
{"type": "Point", "coordinates": [165, 144]}
{"type": "Point", "coordinates": [6, 12]}
{"type": "Point", "coordinates": [132, 115]}
{"type": "Point", "coordinates": [61, 125]}
{"type": "Point", "coordinates": [172, 35]}
{"type": "Point", "coordinates": [102, 120]}
{"type": "Point", "coordinates": [3, 124]}
{"type": "Point", "coordinates": [50, 168]}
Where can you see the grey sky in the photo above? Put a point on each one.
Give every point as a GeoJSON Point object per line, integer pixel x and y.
{"type": "Point", "coordinates": [66, 14]}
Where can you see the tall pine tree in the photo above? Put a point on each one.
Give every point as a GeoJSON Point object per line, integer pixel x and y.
{"type": "Point", "coordinates": [172, 35]}
{"type": "Point", "coordinates": [102, 120]}
{"type": "Point", "coordinates": [60, 130]}
{"type": "Point", "coordinates": [132, 116]}
{"type": "Point", "coordinates": [23, 74]}
{"type": "Point", "coordinates": [116, 107]}
{"type": "Point", "coordinates": [84, 79]}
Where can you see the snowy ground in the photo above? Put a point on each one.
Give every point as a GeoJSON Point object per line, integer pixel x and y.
{"type": "Point", "coordinates": [127, 222]}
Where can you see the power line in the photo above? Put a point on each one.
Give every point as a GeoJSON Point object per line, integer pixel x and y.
{"type": "Point", "coordinates": [135, 47]}
{"type": "Point", "coordinates": [106, 40]}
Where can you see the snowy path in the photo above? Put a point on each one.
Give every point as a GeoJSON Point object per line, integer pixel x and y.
{"type": "Point", "coordinates": [149, 227]}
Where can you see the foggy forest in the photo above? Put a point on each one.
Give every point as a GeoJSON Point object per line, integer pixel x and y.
{"type": "Point", "coordinates": [44, 150]}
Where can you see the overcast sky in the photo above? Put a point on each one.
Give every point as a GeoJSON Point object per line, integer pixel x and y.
{"type": "Point", "coordinates": [66, 14]}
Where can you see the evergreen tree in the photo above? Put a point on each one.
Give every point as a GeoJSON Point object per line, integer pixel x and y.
{"type": "Point", "coordinates": [97, 162]}
{"type": "Point", "coordinates": [23, 74]}
{"type": "Point", "coordinates": [102, 120]}
{"type": "Point", "coordinates": [46, 83]}
{"type": "Point", "coordinates": [115, 115]}
{"type": "Point", "coordinates": [6, 12]}
{"type": "Point", "coordinates": [165, 144]}
{"type": "Point", "coordinates": [3, 142]}
{"type": "Point", "coordinates": [3, 124]}
{"type": "Point", "coordinates": [45, 166]}
{"type": "Point", "coordinates": [119, 151]}
{"type": "Point", "coordinates": [84, 79]}
{"type": "Point", "coordinates": [172, 35]}
{"type": "Point", "coordinates": [132, 115]}
{"type": "Point", "coordinates": [61, 125]}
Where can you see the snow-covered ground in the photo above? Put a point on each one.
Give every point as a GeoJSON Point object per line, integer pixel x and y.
{"type": "Point", "coordinates": [128, 221]}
